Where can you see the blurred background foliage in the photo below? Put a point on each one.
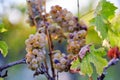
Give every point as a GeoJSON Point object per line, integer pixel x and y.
{"type": "Point", "coordinates": [13, 14]}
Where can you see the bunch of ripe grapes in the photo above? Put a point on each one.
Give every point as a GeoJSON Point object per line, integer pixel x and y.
{"type": "Point", "coordinates": [35, 47]}
{"type": "Point", "coordinates": [61, 24]}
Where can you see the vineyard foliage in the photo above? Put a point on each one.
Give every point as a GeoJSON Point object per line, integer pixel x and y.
{"type": "Point", "coordinates": [106, 34]}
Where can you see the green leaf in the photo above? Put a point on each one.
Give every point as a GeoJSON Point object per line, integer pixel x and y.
{"type": "Point", "coordinates": [114, 38]}
{"type": "Point", "coordinates": [75, 64]}
{"type": "Point", "coordinates": [101, 26]}
{"type": "Point", "coordinates": [92, 33]}
{"type": "Point", "coordinates": [95, 56]}
{"type": "Point", "coordinates": [100, 51]}
{"type": "Point", "coordinates": [108, 9]}
{"type": "Point", "coordinates": [86, 67]}
{"type": "Point", "coordinates": [103, 12]}
{"type": "Point", "coordinates": [2, 28]}
{"type": "Point", "coordinates": [3, 48]}
{"type": "Point", "coordinates": [114, 33]}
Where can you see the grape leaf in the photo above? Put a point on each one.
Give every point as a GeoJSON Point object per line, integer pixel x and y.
{"type": "Point", "coordinates": [75, 64]}
{"type": "Point", "coordinates": [92, 33]}
{"type": "Point", "coordinates": [95, 56]}
{"type": "Point", "coordinates": [108, 9]}
{"type": "Point", "coordinates": [114, 38]}
{"type": "Point", "coordinates": [103, 12]}
{"type": "Point", "coordinates": [114, 33]}
{"type": "Point", "coordinates": [101, 26]}
{"type": "Point", "coordinates": [86, 67]}
{"type": "Point", "coordinates": [3, 48]}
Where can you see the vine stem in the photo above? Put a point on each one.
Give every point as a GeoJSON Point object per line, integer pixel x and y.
{"type": "Point", "coordinates": [46, 72]}
{"type": "Point", "coordinates": [110, 63]}
{"type": "Point", "coordinates": [22, 61]}
{"type": "Point", "coordinates": [38, 8]}
{"type": "Point", "coordinates": [50, 45]}
{"type": "Point", "coordinates": [44, 19]}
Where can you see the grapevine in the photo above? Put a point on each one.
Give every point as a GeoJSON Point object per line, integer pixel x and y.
{"type": "Point", "coordinates": [61, 25]}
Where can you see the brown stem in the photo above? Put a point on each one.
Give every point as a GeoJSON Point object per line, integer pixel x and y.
{"type": "Point", "coordinates": [50, 45]}
{"type": "Point", "coordinates": [44, 19]}
{"type": "Point", "coordinates": [38, 8]}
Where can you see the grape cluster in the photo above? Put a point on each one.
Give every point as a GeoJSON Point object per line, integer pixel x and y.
{"type": "Point", "coordinates": [76, 40]}
{"type": "Point", "coordinates": [35, 47]}
{"type": "Point", "coordinates": [61, 62]}
{"type": "Point", "coordinates": [65, 19]}
{"type": "Point", "coordinates": [60, 23]}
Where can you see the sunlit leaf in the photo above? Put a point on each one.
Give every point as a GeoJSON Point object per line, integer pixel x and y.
{"type": "Point", "coordinates": [75, 64]}
{"type": "Point", "coordinates": [3, 48]}
{"type": "Point", "coordinates": [95, 56]}
{"type": "Point", "coordinates": [108, 9]}
{"type": "Point", "coordinates": [114, 38]}
{"type": "Point", "coordinates": [92, 33]}
{"type": "Point", "coordinates": [101, 26]}
{"type": "Point", "coordinates": [103, 12]}
{"type": "Point", "coordinates": [114, 33]}
{"type": "Point", "coordinates": [86, 67]}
